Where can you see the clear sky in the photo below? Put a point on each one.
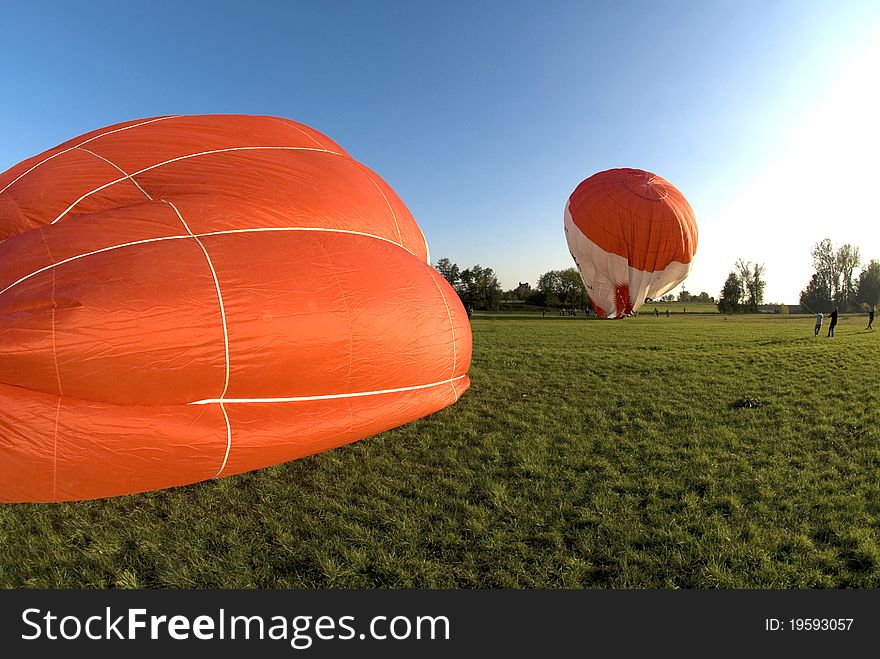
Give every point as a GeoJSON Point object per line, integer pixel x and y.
{"type": "Point", "coordinates": [485, 115]}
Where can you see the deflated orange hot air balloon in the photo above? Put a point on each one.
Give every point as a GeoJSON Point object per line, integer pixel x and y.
{"type": "Point", "coordinates": [632, 235]}
{"type": "Point", "coordinates": [183, 298]}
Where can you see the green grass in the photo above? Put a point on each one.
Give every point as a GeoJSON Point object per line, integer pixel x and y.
{"type": "Point", "coordinates": [696, 451]}
{"type": "Point", "coordinates": [678, 307]}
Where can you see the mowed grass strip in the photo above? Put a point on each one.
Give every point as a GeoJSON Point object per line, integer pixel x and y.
{"type": "Point", "coordinates": [695, 451]}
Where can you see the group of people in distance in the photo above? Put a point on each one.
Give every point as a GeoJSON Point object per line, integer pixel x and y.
{"type": "Point", "coordinates": [833, 316]}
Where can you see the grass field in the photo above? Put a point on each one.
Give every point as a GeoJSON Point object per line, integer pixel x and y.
{"type": "Point", "coordinates": [695, 451]}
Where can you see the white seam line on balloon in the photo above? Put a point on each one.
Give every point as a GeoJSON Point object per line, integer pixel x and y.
{"type": "Point", "coordinates": [57, 376]}
{"type": "Point", "coordinates": [91, 139]}
{"type": "Point", "coordinates": [318, 229]}
{"type": "Point", "coordinates": [225, 334]}
{"type": "Point", "coordinates": [347, 315]}
{"type": "Point", "coordinates": [216, 285]}
{"type": "Point", "coordinates": [190, 155]}
{"type": "Point", "coordinates": [411, 290]}
{"type": "Point", "coordinates": [60, 394]}
{"type": "Point", "coordinates": [452, 328]}
{"type": "Point", "coordinates": [300, 399]}
{"type": "Point", "coordinates": [293, 124]}
{"type": "Point", "coordinates": [117, 167]}
{"type": "Point", "coordinates": [55, 450]}
{"type": "Point", "coordinates": [86, 254]}
{"type": "Point", "coordinates": [388, 203]}
{"type": "Point", "coordinates": [54, 346]}
{"type": "Point", "coordinates": [228, 441]}
{"type": "Point", "coordinates": [200, 235]}
{"type": "Point", "coordinates": [54, 350]}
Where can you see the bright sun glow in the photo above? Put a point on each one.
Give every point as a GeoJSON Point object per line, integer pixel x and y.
{"type": "Point", "coordinates": [823, 183]}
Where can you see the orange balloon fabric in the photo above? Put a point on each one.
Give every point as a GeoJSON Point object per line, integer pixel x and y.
{"type": "Point", "coordinates": [189, 297]}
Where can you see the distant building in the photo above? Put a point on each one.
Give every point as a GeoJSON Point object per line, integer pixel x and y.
{"type": "Point", "coordinates": [522, 290]}
{"type": "Point", "coordinates": [777, 307]}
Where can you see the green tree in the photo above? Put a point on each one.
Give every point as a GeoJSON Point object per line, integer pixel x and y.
{"type": "Point", "coordinates": [743, 291]}
{"type": "Point", "coordinates": [549, 284]}
{"type": "Point", "coordinates": [449, 270]}
{"type": "Point", "coordinates": [573, 292]}
{"type": "Point", "coordinates": [869, 284]}
{"type": "Point", "coordinates": [825, 280]}
{"type": "Point", "coordinates": [816, 297]}
{"type": "Point", "coordinates": [479, 288]}
{"type": "Point", "coordinates": [731, 294]}
{"type": "Point", "coordinates": [522, 292]}
{"type": "Point", "coordinates": [563, 288]}
{"type": "Point", "coordinates": [756, 286]}
{"type": "Point", "coordinates": [848, 259]}
{"type": "Point", "coordinates": [752, 284]}
{"type": "Point", "coordinates": [833, 282]}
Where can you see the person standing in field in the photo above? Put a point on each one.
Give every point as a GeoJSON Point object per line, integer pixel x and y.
{"type": "Point", "coordinates": [870, 317]}
{"type": "Point", "coordinates": [819, 317]}
{"type": "Point", "coordinates": [833, 322]}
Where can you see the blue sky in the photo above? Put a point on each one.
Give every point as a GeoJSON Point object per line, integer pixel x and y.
{"type": "Point", "coordinates": [484, 116]}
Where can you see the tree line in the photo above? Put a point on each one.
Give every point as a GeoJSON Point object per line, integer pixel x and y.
{"type": "Point", "coordinates": [833, 283]}
{"type": "Point", "coordinates": [478, 288]}
{"type": "Point", "coordinates": [743, 290]}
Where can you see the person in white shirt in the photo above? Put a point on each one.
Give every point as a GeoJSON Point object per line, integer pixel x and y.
{"type": "Point", "coordinates": [819, 318]}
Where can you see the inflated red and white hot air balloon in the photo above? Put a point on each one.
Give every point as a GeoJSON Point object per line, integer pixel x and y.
{"type": "Point", "coordinates": [633, 236]}
{"type": "Point", "coordinates": [189, 297]}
